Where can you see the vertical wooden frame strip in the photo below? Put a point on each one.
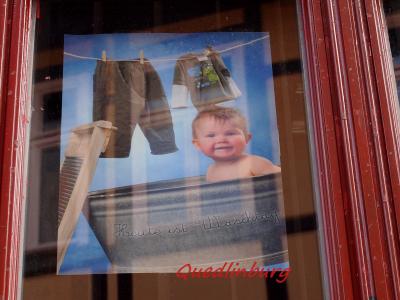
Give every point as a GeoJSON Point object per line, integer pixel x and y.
{"type": "Point", "coordinates": [344, 79]}
{"type": "Point", "coordinates": [345, 84]}
{"type": "Point", "coordinates": [383, 241]}
{"type": "Point", "coordinates": [387, 106]}
{"type": "Point", "coordinates": [386, 85]}
{"type": "Point", "coordinates": [14, 101]}
{"type": "Point", "coordinates": [370, 222]}
{"type": "Point", "coordinates": [328, 175]}
{"type": "Point", "coordinates": [5, 12]}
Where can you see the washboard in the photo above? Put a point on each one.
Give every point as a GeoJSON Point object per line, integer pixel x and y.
{"type": "Point", "coordinates": [85, 145]}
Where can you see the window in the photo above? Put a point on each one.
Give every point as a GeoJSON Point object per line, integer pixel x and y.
{"type": "Point", "coordinates": [158, 52]}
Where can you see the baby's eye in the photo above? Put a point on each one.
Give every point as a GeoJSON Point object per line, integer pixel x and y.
{"type": "Point", "coordinates": [231, 133]}
{"type": "Point", "coordinates": [210, 135]}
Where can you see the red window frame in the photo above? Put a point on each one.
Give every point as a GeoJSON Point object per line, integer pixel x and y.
{"type": "Point", "coordinates": [15, 27]}
{"type": "Point", "coordinates": [355, 134]}
{"type": "Point", "coordinates": [355, 114]}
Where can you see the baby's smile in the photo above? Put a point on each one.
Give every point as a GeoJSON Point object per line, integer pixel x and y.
{"type": "Point", "coordinates": [222, 147]}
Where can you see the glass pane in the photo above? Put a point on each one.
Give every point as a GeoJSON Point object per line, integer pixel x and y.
{"type": "Point", "coordinates": [392, 12]}
{"type": "Point", "coordinates": [169, 137]}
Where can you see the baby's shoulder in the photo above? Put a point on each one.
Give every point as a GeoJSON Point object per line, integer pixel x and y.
{"type": "Point", "coordinates": [210, 172]}
{"type": "Point", "coordinates": [260, 165]}
{"type": "Point", "coordinates": [257, 160]}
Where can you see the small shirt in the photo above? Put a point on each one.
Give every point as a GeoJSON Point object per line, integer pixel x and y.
{"type": "Point", "coordinates": [205, 78]}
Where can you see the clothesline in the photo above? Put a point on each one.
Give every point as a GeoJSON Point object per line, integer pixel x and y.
{"type": "Point", "coordinates": [166, 59]}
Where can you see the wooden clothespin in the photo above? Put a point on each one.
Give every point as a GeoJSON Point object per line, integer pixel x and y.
{"type": "Point", "coordinates": [103, 55]}
{"type": "Point", "coordinates": [205, 54]}
{"type": "Point", "coordinates": [208, 50]}
{"type": "Point", "coordinates": [141, 56]}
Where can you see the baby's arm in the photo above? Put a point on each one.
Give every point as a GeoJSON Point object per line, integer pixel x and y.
{"type": "Point", "coordinates": [262, 166]}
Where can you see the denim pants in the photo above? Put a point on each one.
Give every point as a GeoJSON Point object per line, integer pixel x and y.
{"type": "Point", "coordinates": [127, 93]}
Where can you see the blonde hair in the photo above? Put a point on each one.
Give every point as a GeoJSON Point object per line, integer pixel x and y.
{"type": "Point", "coordinates": [222, 114]}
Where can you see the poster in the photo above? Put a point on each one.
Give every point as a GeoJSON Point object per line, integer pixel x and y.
{"type": "Point", "coordinates": [140, 190]}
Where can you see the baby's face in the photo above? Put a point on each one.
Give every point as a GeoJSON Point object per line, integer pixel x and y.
{"type": "Point", "coordinates": [220, 140]}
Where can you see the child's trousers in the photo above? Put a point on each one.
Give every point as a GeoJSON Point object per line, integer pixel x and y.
{"type": "Point", "coordinates": [127, 93]}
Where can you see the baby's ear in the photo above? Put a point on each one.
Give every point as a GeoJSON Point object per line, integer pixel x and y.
{"type": "Point", "coordinates": [248, 137]}
{"type": "Point", "coordinates": [196, 144]}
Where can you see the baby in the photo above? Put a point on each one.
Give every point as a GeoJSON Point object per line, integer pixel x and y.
{"type": "Point", "coordinates": [221, 134]}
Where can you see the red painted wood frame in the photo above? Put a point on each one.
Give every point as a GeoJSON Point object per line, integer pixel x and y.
{"type": "Point", "coordinates": [355, 133]}
{"type": "Point", "coordinates": [15, 25]}
{"type": "Point", "coordinates": [354, 113]}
